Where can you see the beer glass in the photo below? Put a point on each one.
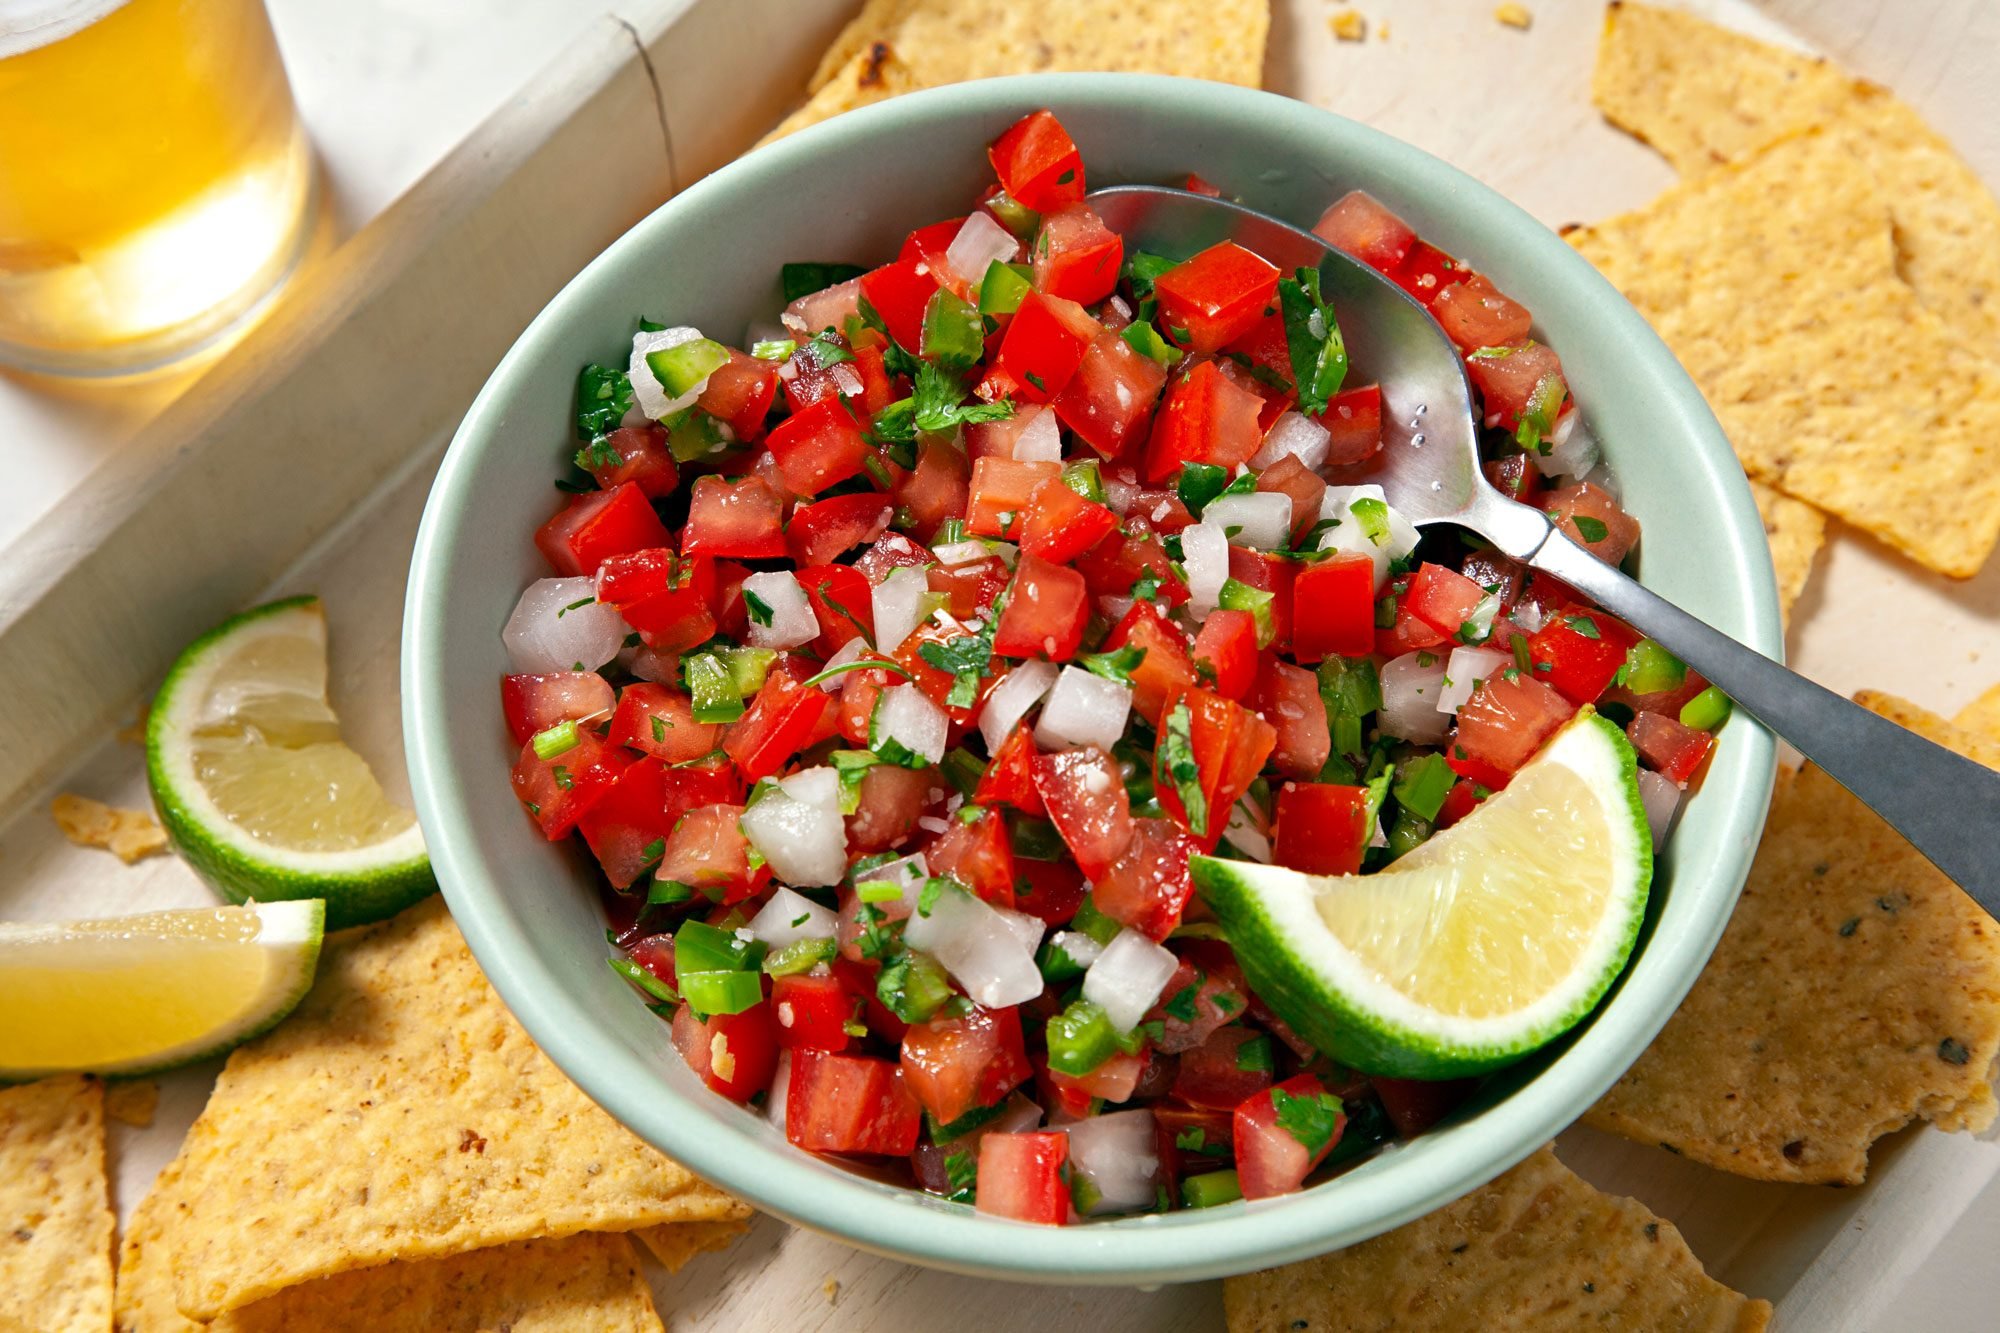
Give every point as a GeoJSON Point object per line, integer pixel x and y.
{"type": "Point", "coordinates": [154, 181]}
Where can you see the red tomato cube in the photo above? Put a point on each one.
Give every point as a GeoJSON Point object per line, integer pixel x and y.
{"type": "Point", "coordinates": [1506, 721]}
{"type": "Point", "coordinates": [1579, 651]}
{"type": "Point", "coordinates": [1214, 298]}
{"type": "Point", "coordinates": [534, 703]}
{"type": "Point", "coordinates": [1076, 256]}
{"type": "Point", "coordinates": [741, 518]}
{"type": "Point", "coordinates": [1288, 698]}
{"type": "Point", "coordinates": [1476, 314]}
{"type": "Point", "coordinates": [643, 459]}
{"type": "Point", "coordinates": [956, 1065]}
{"type": "Point", "coordinates": [1206, 417]}
{"type": "Point", "coordinates": [1046, 611]}
{"type": "Point", "coordinates": [1276, 1150]}
{"type": "Point", "coordinates": [821, 532]}
{"type": "Point", "coordinates": [1044, 344]}
{"type": "Point", "coordinates": [935, 490]}
{"type": "Point", "coordinates": [1061, 524]}
{"type": "Point", "coordinates": [1084, 792]}
{"type": "Point", "coordinates": [659, 721]}
{"type": "Point", "coordinates": [557, 790]}
{"type": "Point", "coordinates": [627, 825]}
{"type": "Point", "coordinates": [777, 726]}
{"type": "Point", "coordinates": [850, 1104]}
{"type": "Point", "coordinates": [1038, 163]}
{"type": "Point", "coordinates": [1217, 1075]}
{"type": "Point", "coordinates": [1340, 594]}
{"type": "Point", "coordinates": [1322, 827]}
{"type": "Point", "coordinates": [1021, 1176]}
{"type": "Point", "coordinates": [668, 599]}
{"type": "Point", "coordinates": [819, 447]}
{"type": "Point", "coordinates": [1165, 670]}
{"type": "Point", "coordinates": [598, 525]}
{"type": "Point", "coordinates": [1668, 745]}
{"type": "Point", "coordinates": [740, 394]}
{"type": "Point", "coordinates": [1000, 492]}
{"type": "Point", "coordinates": [1588, 516]}
{"type": "Point", "coordinates": [812, 1012]}
{"type": "Point", "coordinates": [1109, 402]}
{"type": "Point", "coordinates": [1353, 421]}
{"type": "Point", "coordinates": [1226, 649]}
{"type": "Point", "coordinates": [899, 292]}
{"type": "Point", "coordinates": [1149, 886]}
{"type": "Point", "coordinates": [1361, 226]}
{"type": "Point", "coordinates": [734, 1054]}
{"type": "Point", "coordinates": [1443, 598]}
{"type": "Point", "coordinates": [1425, 271]}
{"type": "Point", "coordinates": [707, 851]}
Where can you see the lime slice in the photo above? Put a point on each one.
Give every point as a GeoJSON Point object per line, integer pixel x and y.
{"type": "Point", "coordinates": [137, 994]}
{"type": "Point", "coordinates": [255, 786]}
{"type": "Point", "coordinates": [1491, 939]}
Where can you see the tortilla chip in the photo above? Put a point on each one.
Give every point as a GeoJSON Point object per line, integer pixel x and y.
{"type": "Point", "coordinates": [401, 1113]}
{"type": "Point", "coordinates": [1765, 278]}
{"type": "Point", "coordinates": [1981, 717]}
{"type": "Point", "coordinates": [895, 46]}
{"type": "Point", "coordinates": [132, 1101]}
{"type": "Point", "coordinates": [55, 1208]}
{"type": "Point", "coordinates": [1856, 989]}
{"type": "Point", "coordinates": [127, 834]}
{"type": "Point", "coordinates": [1704, 95]}
{"type": "Point", "coordinates": [674, 1245]}
{"type": "Point", "coordinates": [1537, 1249]}
{"type": "Point", "coordinates": [1796, 531]}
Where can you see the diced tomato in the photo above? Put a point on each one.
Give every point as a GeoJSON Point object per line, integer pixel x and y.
{"type": "Point", "coordinates": [936, 685]}
{"type": "Point", "coordinates": [667, 598]}
{"type": "Point", "coordinates": [812, 1012]}
{"type": "Point", "coordinates": [1579, 651]}
{"type": "Point", "coordinates": [1273, 574]}
{"type": "Point", "coordinates": [1288, 698]}
{"type": "Point", "coordinates": [1588, 516]}
{"type": "Point", "coordinates": [1084, 791]}
{"type": "Point", "coordinates": [1217, 1075]}
{"type": "Point", "coordinates": [850, 1104]}
{"type": "Point", "coordinates": [1443, 598]}
{"type": "Point", "coordinates": [557, 790]}
{"type": "Point", "coordinates": [955, 1065]}
{"type": "Point", "coordinates": [1340, 591]}
{"type": "Point", "coordinates": [832, 527]}
{"type": "Point", "coordinates": [1509, 378]}
{"type": "Point", "coordinates": [1353, 421]}
{"type": "Point", "coordinates": [643, 460]}
{"type": "Point", "coordinates": [1061, 524]}
{"type": "Point", "coordinates": [934, 490]}
{"type": "Point", "coordinates": [899, 292]}
{"type": "Point", "coordinates": [1109, 402]}
{"type": "Point", "coordinates": [1149, 886]}
{"type": "Point", "coordinates": [1212, 299]}
{"type": "Point", "coordinates": [534, 703]}
{"type": "Point", "coordinates": [743, 518]}
{"type": "Point", "coordinates": [1010, 778]}
{"type": "Point", "coordinates": [1274, 1154]}
{"type": "Point", "coordinates": [1205, 418]}
{"type": "Point", "coordinates": [928, 244]}
{"type": "Point", "coordinates": [626, 826]}
{"type": "Point", "coordinates": [776, 727]}
{"type": "Point", "coordinates": [732, 613]}
{"type": "Point", "coordinates": [1426, 271]}
{"type": "Point", "coordinates": [816, 375]}
{"type": "Point", "coordinates": [1165, 670]}
{"type": "Point", "coordinates": [734, 1054]}
{"type": "Point", "coordinates": [843, 603]}
{"type": "Point", "coordinates": [1047, 609]}
{"type": "Point", "coordinates": [707, 851]}
{"type": "Point", "coordinates": [1001, 491]}
{"type": "Point", "coordinates": [1196, 185]}
{"type": "Point", "coordinates": [1505, 721]}
{"type": "Point", "coordinates": [660, 722]}
{"type": "Point", "coordinates": [1406, 633]}
{"type": "Point", "coordinates": [1516, 477]}
{"type": "Point", "coordinates": [1268, 348]}
{"type": "Point", "coordinates": [1076, 256]}
{"type": "Point", "coordinates": [1299, 484]}
{"type": "Point", "coordinates": [1048, 890]}
{"type": "Point", "coordinates": [1044, 344]}
{"type": "Point", "coordinates": [1208, 968]}
{"type": "Point", "coordinates": [1116, 1080]}
{"type": "Point", "coordinates": [692, 786]}
{"type": "Point", "coordinates": [1476, 770]}
{"type": "Point", "coordinates": [1193, 1139]}
{"type": "Point", "coordinates": [888, 804]}
{"type": "Point", "coordinates": [1038, 163]}
{"type": "Point", "coordinates": [1121, 560]}
{"type": "Point", "coordinates": [978, 855]}
{"type": "Point", "coordinates": [996, 439]}
{"type": "Point", "coordinates": [891, 551]}
{"type": "Point", "coordinates": [1477, 314]}
{"type": "Point", "coordinates": [1460, 801]}
{"type": "Point", "coordinates": [1229, 743]}
{"type": "Point", "coordinates": [598, 525]}
{"type": "Point", "coordinates": [1021, 1176]}
{"type": "Point", "coordinates": [1361, 226]}
{"type": "Point", "coordinates": [1322, 827]}
{"type": "Point", "coordinates": [1676, 750]}
{"type": "Point", "coordinates": [740, 393]}
{"type": "Point", "coordinates": [818, 447]}
{"type": "Point", "coordinates": [1416, 1105]}
{"type": "Point", "coordinates": [1225, 651]}
{"type": "Point", "coordinates": [972, 587]}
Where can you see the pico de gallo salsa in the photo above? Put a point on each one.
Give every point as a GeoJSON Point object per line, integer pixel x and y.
{"type": "Point", "coordinates": [894, 663]}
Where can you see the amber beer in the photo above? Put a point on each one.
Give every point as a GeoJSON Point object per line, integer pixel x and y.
{"type": "Point", "coordinates": [154, 181]}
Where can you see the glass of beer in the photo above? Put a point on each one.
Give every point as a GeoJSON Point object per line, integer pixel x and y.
{"type": "Point", "coordinates": [154, 181]}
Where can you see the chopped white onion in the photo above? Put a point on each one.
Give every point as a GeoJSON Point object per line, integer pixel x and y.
{"type": "Point", "coordinates": [1463, 671]}
{"type": "Point", "coordinates": [1020, 690]}
{"type": "Point", "coordinates": [792, 621]}
{"type": "Point", "coordinates": [979, 949]}
{"type": "Point", "coordinates": [846, 380]}
{"type": "Point", "coordinates": [1530, 616]}
{"type": "Point", "coordinates": [647, 391]}
{"type": "Point", "coordinates": [1411, 687]}
{"type": "Point", "coordinates": [1296, 435]}
{"type": "Point", "coordinates": [1081, 948]}
{"type": "Point", "coordinates": [905, 714]}
{"type": "Point", "coordinates": [1662, 800]}
{"type": "Point", "coordinates": [775, 1103]}
{"type": "Point", "coordinates": [961, 553]}
{"type": "Point", "coordinates": [1027, 928]}
{"type": "Point", "coordinates": [852, 651]}
{"type": "Point", "coordinates": [1128, 977]}
{"type": "Point", "coordinates": [790, 917]}
{"type": "Point", "coordinates": [1120, 495]}
{"type": "Point", "coordinates": [1245, 833]}
{"type": "Point", "coordinates": [1038, 440]}
{"type": "Point", "coordinates": [1349, 533]}
{"type": "Point", "coordinates": [827, 308]}
{"type": "Point", "coordinates": [1573, 452]}
{"type": "Point", "coordinates": [815, 786]}
{"type": "Point", "coordinates": [1083, 709]}
{"type": "Point", "coordinates": [550, 632]}
{"type": "Point", "coordinates": [1205, 557]}
{"type": "Point", "coordinates": [1261, 519]}
{"type": "Point", "coordinates": [898, 604]}
{"type": "Point", "coordinates": [1116, 608]}
{"type": "Point", "coordinates": [805, 844]}
{"type": "Point", "coordinates": [980, 242]}
{"type": "Point", "coordinates": [908, 875]}
{"type": "Point", "coordinates": [1119, 1154]}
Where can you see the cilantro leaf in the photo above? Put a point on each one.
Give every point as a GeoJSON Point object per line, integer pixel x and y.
{"type": "Point", "coordinates": [1583, 625]}
{"type": "Point", "coordinates": [1312, 1119]}
{"type": "Point", "coordinates": [936, 404]}
{"type": "Point", "coordinates": [1312, 337]}
{"type": "Point", "coordinates": [1114, 666]}
{"type": "Point", "coordinates": [603, 397]}
{"type": "Point", "coordinates": [968, 652]}
{"type": "Point", "coordinates": [759, 609]}
{"type": "Point", "coordinates": [1175, 764]}
{"type": "Point", "coordinates": [1590, 529]}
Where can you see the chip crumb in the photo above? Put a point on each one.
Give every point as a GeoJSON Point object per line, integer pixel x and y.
{"type": "Point", "coordinates": [1349, 25]}
{"type": "Point", "coordinates": [130, 835]}
{"type": "Point", "coordinates": [832, 1289]}
{"type": "Point", "coordinates": [132, 1101]}
{"type": "Point", "coordinates": [135, 732]}
{"type": "Point", "coordinates": [1514, 16]}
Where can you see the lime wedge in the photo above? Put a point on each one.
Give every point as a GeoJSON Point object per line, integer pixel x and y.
{"type": "Point", "coordinates": [1484, 943]}
{"type": "Point", "coordinates": [257, 789]}
{"type": "Point", "coordinates": [138, 994]}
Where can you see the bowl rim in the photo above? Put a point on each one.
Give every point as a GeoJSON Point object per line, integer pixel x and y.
{"type": "Point", "coordinates": [1184, 1245]}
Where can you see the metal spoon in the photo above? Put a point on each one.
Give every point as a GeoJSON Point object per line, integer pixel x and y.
{"type": "Point", "coordinates": [1945, 804]}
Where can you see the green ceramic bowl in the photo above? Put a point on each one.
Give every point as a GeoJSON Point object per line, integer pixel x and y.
{"type": "Point", "coordinates": [849, 190]}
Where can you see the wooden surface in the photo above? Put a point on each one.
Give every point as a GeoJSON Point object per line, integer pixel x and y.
{"type": "Point", "coordinates": [1508, 106]}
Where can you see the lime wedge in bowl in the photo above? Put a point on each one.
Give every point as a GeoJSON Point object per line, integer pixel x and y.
{"type": "Point", "coordinates": [1491, 939]}
{"type": "Point", "coordinates": [139, 994]}
{"type": "Point", "coordinates": [255, 785]}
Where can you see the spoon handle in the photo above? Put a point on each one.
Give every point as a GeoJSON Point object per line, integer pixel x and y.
{"type": "Point", "coordinates": [1946, 805]}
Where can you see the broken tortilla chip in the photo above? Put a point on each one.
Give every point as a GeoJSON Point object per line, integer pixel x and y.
{"type": "Point", "coordinates": [896, 46]}
{"type": "Point", "coordinates": [1763, 277]}
{"type": "Point", "coordinates": [399, 1114]}
{"type": "Point", "coordinates": [676, 1244]}
{"type": "Point", "coordinates": [127, 834]}
{"type": "Point", "coordinates": [1856, 989]}
{"type": "Point", "coordinates": [55, 1208]}
{"type": "Point", "coordinates": [132, 1101]}
{"type": "Point", "coordinates": [1704, 95]}
{"type": "Point", "coordinates": [1981, 717]}
{"type": "Point", "coordinates": [1796, 531]}
{"type": "Point", "coordinates": [1538, 1248]}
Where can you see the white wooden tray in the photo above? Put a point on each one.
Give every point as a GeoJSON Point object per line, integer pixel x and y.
{"type": "Point", "coordinates": [301, 463]}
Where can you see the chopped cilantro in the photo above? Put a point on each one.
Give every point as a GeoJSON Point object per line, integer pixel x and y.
{"type": "Point", "coordinates": [759, 609]}
{"type": "Point", "coordinates": [937, 403]}
{"type": "Point", "coordinates": [603, 397]}
{"type": "Point", "coordinates": [805, 279]}
{"type": "Point", "coordinates": [1312, 1119]}
{"type": "Point", "coordinates": [1590, 529]}
{"type": "Point", "coordinates": [1312, 338]}
{"type": "Point", "coordinates": [1175, 764]}
{"type": "Point", "coordinates": [1114, 666]}
{"type": "Point", "coordinates": [1584, 625]}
